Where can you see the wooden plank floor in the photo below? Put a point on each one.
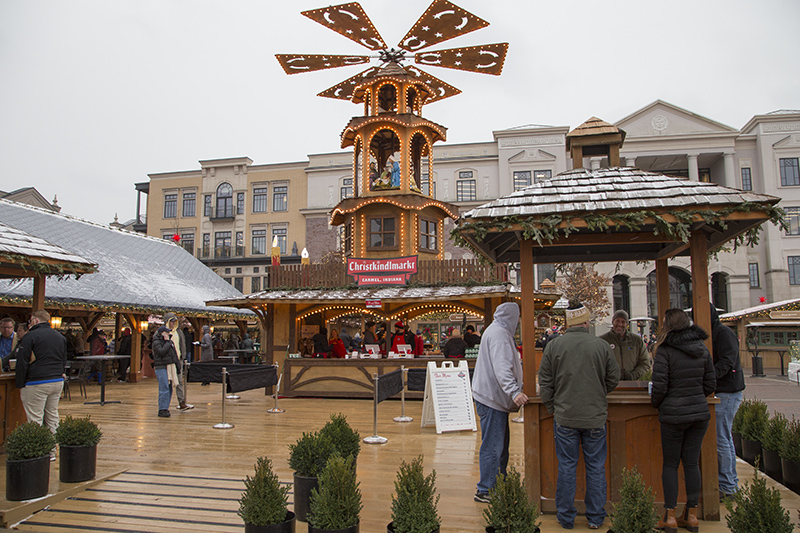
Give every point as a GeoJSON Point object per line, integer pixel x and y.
{"type": "Point", "coordinates": [181, 474]}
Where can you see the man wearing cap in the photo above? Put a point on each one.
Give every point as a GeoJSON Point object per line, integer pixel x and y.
{"type": "Point", "coordinates": [165, 363]}
{"type": "Point", "coordinates": [401, 336]}
{"type": "Point", "coordinates": [578, 371]}
{"type": "Point", "coordinates": [629, 349]}
{"type": "Point", "coordinates": [497, 391]}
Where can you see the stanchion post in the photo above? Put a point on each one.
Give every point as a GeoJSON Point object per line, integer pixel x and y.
{"type": "Point", "coordinates": [403, 417]}
{"type": "Point", "coordinates": [375, 438]}
{"type": "Point", "coordinates": [185, 372]}
{"type": "Point", "coordinates": [223, 424]}
{"type": "Point", "coordinates": [277, 388]}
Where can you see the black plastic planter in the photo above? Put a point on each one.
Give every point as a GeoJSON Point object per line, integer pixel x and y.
{"type": "Point", "coordinates": [791, 474]}
{"type": "Point", "coordinates": [390, 528]}
{"type": "Point", "coordinates": [302, 495]}
{"type": "Point", "coordinates": [284, 527]}
{"type": "Point", "coordinates": [737, 444]}
{"type": "Point", "coordinates": [78, 463]}
{"type": "Point", "coordinates": [772, 464]}
{"type": "Point", "coordinates": [751, 449]}
{"type": "Point", "coordinates": [351, 529]}
{"type": "Point", "coordinates": [27, 479]}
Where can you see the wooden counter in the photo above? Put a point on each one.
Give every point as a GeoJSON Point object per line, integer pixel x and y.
{"type": "Point", "coordinates": [10, 405]}
{"type": "Point", "coordinates": [634, 439]}
{"type": "Point", "coordinates": [346, 378]}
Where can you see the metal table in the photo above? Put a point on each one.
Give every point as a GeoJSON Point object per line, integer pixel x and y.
{"type": "Point", "coordinates": [103, 359]}
{"type": "Point", "coordinates": [243, 356]}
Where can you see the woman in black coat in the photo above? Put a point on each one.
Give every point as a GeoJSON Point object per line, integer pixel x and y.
{"type": "Point", "coordinates": [683, 376]}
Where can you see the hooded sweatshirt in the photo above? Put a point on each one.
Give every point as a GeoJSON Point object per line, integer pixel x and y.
{"type": "Point", "coordinates": [683, 375]}
{"type": "Point", "coordinates": [498, 371]}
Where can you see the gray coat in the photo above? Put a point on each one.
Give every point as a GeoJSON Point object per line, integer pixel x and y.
{"type": "Point", "coordinates": [206, 346]}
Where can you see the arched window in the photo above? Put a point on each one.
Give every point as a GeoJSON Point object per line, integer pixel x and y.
{"type": "Point", "coordinates": [411, 97]}
{"type": "Point", "coordinates": [419, 150]}
{"type": "Point", "coordinates": [387, 99]}
{"type": "Point", "coordinates": [224, 201]}
{"type": "Point", "coordinates": [384, 166]}
{"type": "Point", "coordinates": [719, 290]}
{"type": "Point", "coordinates": [680, 290]}
{"type": "Point", "coordinates": [622, 293]}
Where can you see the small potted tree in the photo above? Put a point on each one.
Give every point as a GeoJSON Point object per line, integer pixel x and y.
{"type": "Point", "coordinates": [28, 450]}
{"type": "Point", "coordinates": [771, 442]}
{"type": "Point", "coordinates": [307, 458]}
{"type": "Point", "coordinates": [509, 509]}
{"type": "Point", "coordinates": [790, 456]}
{"type": "Point", "coordinates": [345, 439]}
{"type": "Point", "coordinates": [736, 426]}
{"type": "Point", "coordinates": [264, 502]}
{"type": "Point", "coordinates": [77, 439]}
{"type": "Point", "coordinates": [634, 513]}
{"type": "Point", "coordinates": [415, 500]}
{"type": "Point", "coordinates": [757, 509]}
{"type": "Point", "coordinates": [753, 425]}
{"type": "Point", "coordinates": [336, 504]}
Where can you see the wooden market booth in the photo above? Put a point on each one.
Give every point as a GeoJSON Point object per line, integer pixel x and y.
{"type": "Point", "coordinates": [613, 214]}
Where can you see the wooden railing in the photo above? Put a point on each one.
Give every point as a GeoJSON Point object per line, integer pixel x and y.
{"type": "Point", "coordinates": [330, 275]}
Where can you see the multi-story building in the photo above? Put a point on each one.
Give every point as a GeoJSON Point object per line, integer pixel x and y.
{"type": "Point", "coordinates": [762, 157]}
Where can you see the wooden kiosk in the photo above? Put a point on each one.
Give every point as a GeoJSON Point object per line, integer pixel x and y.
{"type": "Point", "coordinates": [608, 215]}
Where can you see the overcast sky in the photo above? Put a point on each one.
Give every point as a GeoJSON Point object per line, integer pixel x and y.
{"type": "Point", "coordinates": [96, 94]}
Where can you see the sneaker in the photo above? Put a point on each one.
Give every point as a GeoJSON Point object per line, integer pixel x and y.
{"type": "Point", "coordinates": [482, 497]}
{"type": "Point", "coordinates": [185, 407]}
{"type": "Point", "coordinates": [594, 526]}
{"type": "Point", "coordinates": [164, 413]}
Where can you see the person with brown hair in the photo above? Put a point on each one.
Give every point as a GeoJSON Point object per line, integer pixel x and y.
{"type": "Point", "coordinates": [683, 376]}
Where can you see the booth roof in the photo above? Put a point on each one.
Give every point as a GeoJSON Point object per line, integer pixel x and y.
{"type": "Point", "coordinates": [753, 311]}
{"type": "Point", "coordinates": [134, 272]}
{"type": "Point", "coordinates": [19, 246]}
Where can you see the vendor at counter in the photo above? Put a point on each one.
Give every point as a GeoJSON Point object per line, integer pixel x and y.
{"type": "Point", "coordinates": [629, 349]}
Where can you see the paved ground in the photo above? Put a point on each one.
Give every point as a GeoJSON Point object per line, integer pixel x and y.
{"type": "Point", "coordinates": [777, 391]}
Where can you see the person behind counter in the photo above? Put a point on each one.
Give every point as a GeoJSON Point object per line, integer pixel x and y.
{"type": "Point", "coordinates": [455, 347]}
{"type": "Point", "coordinates": [320, 340]}
{"type": "Point", "coordinates": [338, 350]}
{"type": "Point", "coordinates": [401, 336]}
{"type": "Point", "coordinates": [471, 337]}
{"type": "Point", "coordinates": [629, 349]}
{"type": "Point", "coordinates": [8, 340]}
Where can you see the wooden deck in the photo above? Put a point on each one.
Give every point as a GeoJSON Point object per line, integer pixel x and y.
{"type": "Point", "coordinates": [182, 475]}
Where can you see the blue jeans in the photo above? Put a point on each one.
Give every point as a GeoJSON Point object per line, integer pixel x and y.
{"type": "Point", "coordinates": [569, 441]}
{"type": "Point", "coordinates": [493, 456]}
{"type": "Point", "coordinates": [726, 454]}
{"type": "Point", "coordinates": [164, 389]}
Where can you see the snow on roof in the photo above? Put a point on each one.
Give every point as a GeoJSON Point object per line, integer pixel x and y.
{"type": "Point", "coordinates": [14, 241]}
{"type": "Point", "coordinates": [733, 315]}
{"type": "Point", "coordinates": [134, 271]}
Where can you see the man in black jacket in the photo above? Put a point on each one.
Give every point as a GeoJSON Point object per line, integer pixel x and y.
{"type": "Point", "coordinates": [730, 384]}
{"type": "Point", "coordinates": [41, 361]}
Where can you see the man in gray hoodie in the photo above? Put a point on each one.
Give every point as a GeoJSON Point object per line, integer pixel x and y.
{"type": "Point", "coordinates": [497, 391]}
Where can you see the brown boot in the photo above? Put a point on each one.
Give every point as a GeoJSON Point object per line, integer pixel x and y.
{"type": "Point", "coordinates": [668, 522]}
{"type": "Point", "coordinates": [688, 520]}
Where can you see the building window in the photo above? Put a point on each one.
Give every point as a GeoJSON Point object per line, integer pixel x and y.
{"type": "Point", "coordinates": [747, 180]}
{"type": "Point", "coordinates": [545, 271]}
{"type": "Point", "coordinates": [222, 244]}
{"type": "Point", "coordinates": [228, 271]}
{"type": "Point", "coordinates": [793, 220]}
{"type": "Point", "coordinates": [187, 241]}
{"type": "Point", "coordinates": [239, 244]}
{"type": "Point", "coordinates": [465, 187]}
{"type": "Point", "coordinates": [207, 205]}
{"type": "Point", "coordinates": [255, 270]}
{"type": "Point", "coordinates": [206, 244]}
{"type": "Point", "coordinates": [381, 233]}
{"type": "Point", "coordinates": [224, 201]}
{"type": "Point", "coordinates": [426, 184]}
{"type": "Point", "coordinates": [258, 245]}
{"type": "Point", "coordinates": [238, 284]}
{"type": "Point", "coordinates": [719, 290]}
{"type": "Point", "coordinates": [346, 190]}
{"type": "Point", "coordinates": [188, 204]}
{"type": "Point", "coordinates": [754, 281]}
{"type": "Point", "coordinates": [240, 203]}
{"type": "Point", "coordinates": [794, 270]}
{"type": "Point", "coordinates": [790, 173]}
{"type": "Point", "coordinates": [166, 236]}
{"type": "Point", "coordinates": [255, 284]}
{"type": "Point", "coordinates": [522, 179]}
{"type": "Point", "coordinates": [539, 175]}
{"type": "Point", "coordinates": [260, 200]}
{"type": "Point", "coordinates": [238, 270]}
{"type": "Point", "coordinates": [622, 293]}
{"type": "Point", "coordinates": [170, 205]}
{"type": "Point", "coordinates": [280, 199]}
{"type": "Point", "coordinates": [280, 233]}
{"type": "Point", "coordinates": [227, 280]}
{"type": "Point", "coordinates": [428, 230]}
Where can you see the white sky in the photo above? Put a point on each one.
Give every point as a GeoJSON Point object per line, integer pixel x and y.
{"type": "Point", "coordinates": [96, 94]}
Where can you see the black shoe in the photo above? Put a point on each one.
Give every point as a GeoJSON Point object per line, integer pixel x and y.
{"type": "Point", "coordinates": [204, 383]}
{"type": "Point", "coordinates": [482, 497]}
{"type": "Point", "coordinates": [163, 413]}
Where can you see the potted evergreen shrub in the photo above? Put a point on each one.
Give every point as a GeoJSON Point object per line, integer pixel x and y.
{"type": "Point", "coordinates": [509, 509]}
{"type": "Point", "coordinates": [635, 512]}
{"type": "Point", "coordinates": [753, 425]}
{"type": "Point", "coordinates": [771, 442]}
{"type": "Point", "coordinates": [28, 462]}
{"type": "Point", "coordinates": [757, 509]}
{"type": "Point", "coordinates": [790, 456]}
{"type": "Point", "coordinates": [307, 458]}
{"type": "Point", "coordinates": [414, 501]}
{"type": "Point", "coordinates": [264, 502]}
{"type": "Point", "coordinates": [345, 439]}
{"type": "Point", "coordinates": [736, 426]}
{"type": "Point", "coordinates": [336, 504]}
{"type": "Point", "coordinates": [77, 439]}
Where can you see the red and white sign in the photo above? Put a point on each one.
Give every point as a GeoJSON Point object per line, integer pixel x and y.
{"type": "Point", "coordinates": [394, 271]}
{"type": "Point", "coordinates": [373, 304]}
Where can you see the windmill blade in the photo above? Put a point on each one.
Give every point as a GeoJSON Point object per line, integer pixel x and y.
{"type": "Point", "coordinates": [442, 20]}
{"type": "Point", "coordinates": [351, 21]}
{"type": "Point", "coordinates": [486, 59]}
{"type": "Point", "coordinates": [297, 63]}
{"type": "Point", "coordinates": [344, 90]}
{"type": "Point", "coordinates": [441, 90]}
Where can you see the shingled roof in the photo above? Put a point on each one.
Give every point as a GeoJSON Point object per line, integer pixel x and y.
{"type": "Point", "coordinates": [134, 272]}
{"type": "Point", "coordinates": [23, 255]}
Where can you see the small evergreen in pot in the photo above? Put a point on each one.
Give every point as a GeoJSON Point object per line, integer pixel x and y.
{"type": "Point", "coordinates": [28, 461]}
{"type": "Point", "coordinates": [77, 439]}
{"type": "Point", "coordinates": [336, 505]}
{"type": "Point", "coordinates": [757, 509]}
{"type": "Point", "coordinates": [790, 456]}
{"type": "Point", "coordinates": [635, 512]}
{"type": "Point", "coordinates": [345, 439]}
{"type": "Point", "coordinates": [264, 502]}
{"type": "Point", "coordinates": [307, 458]}
{"type": "Point", "coordinates": [414, 501]}
{"type": "Point", "coordinates": [753, 425]}
{"type": "Point", "coordinates": [509, 509]}
{"type": "Point", "coordinates": [771, 442]}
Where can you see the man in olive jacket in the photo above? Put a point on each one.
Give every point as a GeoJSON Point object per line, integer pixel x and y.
{"type": "Point", "coordinates": [578, 371]}
{"type": "Point", "coordinates": [629, 349]}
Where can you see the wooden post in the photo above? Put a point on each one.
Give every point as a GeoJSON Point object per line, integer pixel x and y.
{"type": "Point", "coordinates": [529, 369]}
{"type": "Point", "coordinates": [701, 303]}
{"type": "Point", "coordinates": [37, 302]}
{"type": "Point", "coordinates": [662, 289]}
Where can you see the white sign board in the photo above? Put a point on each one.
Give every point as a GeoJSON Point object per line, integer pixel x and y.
{"type": "Point", "coordinates": [448, 398]}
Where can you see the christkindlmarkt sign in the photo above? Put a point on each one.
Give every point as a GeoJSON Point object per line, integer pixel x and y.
{"type": "Point", "coordinates": [394, 271]}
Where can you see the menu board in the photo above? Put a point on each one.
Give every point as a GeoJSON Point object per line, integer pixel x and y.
{"type": "Point", "coordinates": [448, 398]}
